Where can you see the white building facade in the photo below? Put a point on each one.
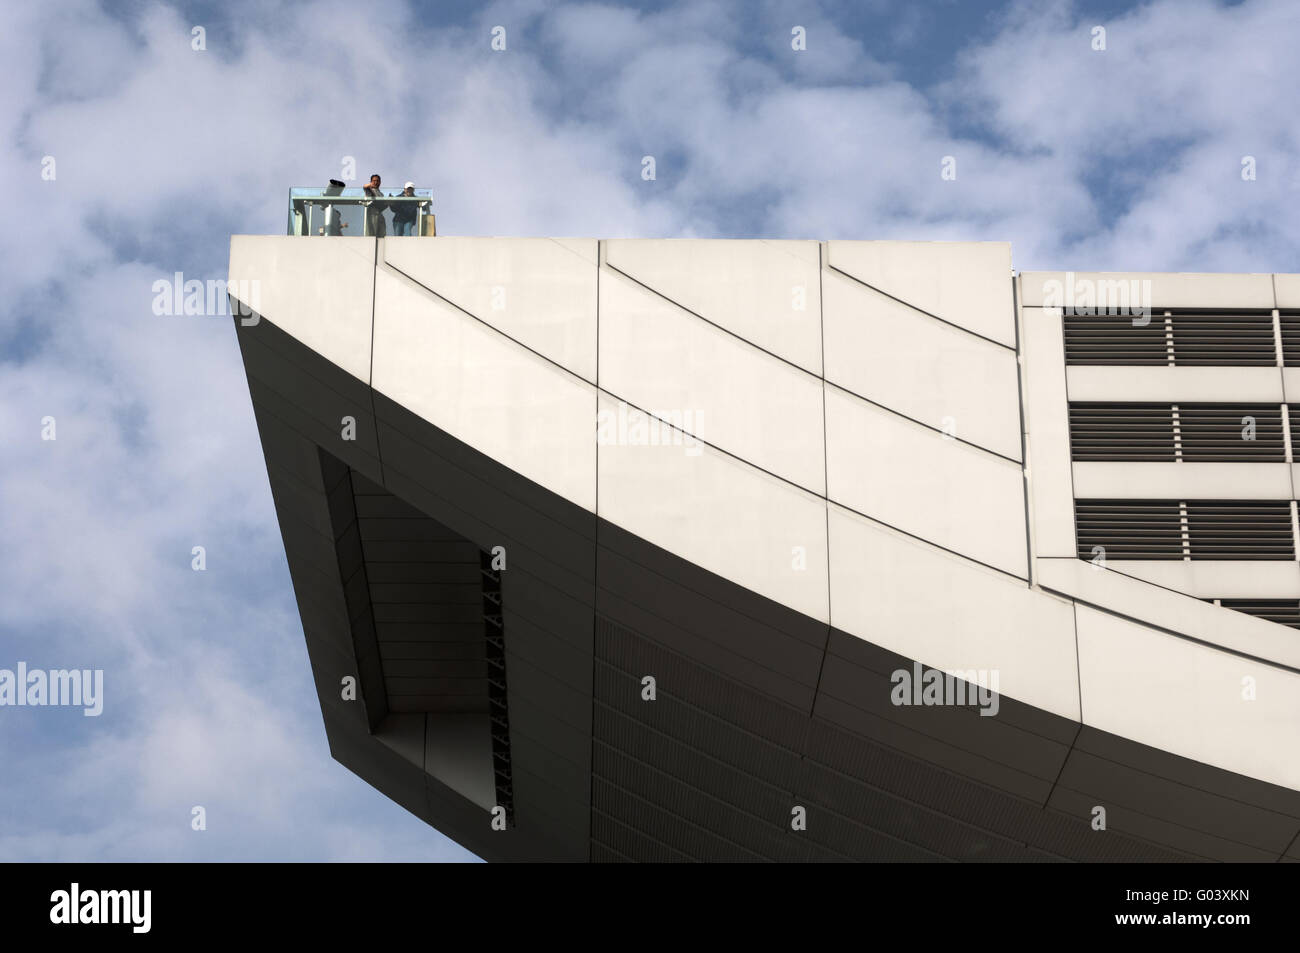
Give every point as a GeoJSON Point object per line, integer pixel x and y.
{"type": "Point", "coordinates": [771, 477]}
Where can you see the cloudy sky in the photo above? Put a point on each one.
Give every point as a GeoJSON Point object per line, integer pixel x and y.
{"type": "Point", "coordinates": [1123, 158]}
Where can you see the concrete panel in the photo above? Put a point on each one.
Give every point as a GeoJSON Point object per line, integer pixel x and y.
{"type": "Point", "coordinates": [540, 291]}
{"type": "Point", "coordinates": [992, 737]}
{"type": "Point", "coordinates": [965, 283]}
{"type": "Point", "coordinates": [1286, 289]}
{"type": "Point", "coordinates": [1113, 590]}
{"type": "Point", "coordinates": [917, 480]}
{"type": "Point", "coordinates": [951, 614]}
{"type": "Point", "coordinates": [690, 597]}
{"type": "Point", "coordinates": [935, 373]}
{"type": "Point", "coordinates": [684, 608]}
{"type": "Point", "coordinates": [1250, 793]}
{"type": "Point", "coordinates": [1167, 290]}
{"type": "Point", "coordinates": [692, 677]}
{"type": "Point", "coordinates": [764, 291]}
{"type": "Point", "coordinates": [1131, 480]}
{"type": "Point", "coordinates": [1171, 385]}
{"type": "Point", "coordinates": [486, 502]}
{"type": "Point", "coordinates": [874, 658]}
{"type": "Point", "coordinates": [287, 365]}
{"type": "Point", "coordinates": [319, 290]}
{"type": "Point", "coordinates": [719, 656]}
{"type": "Point", "coordinates": [484, 389]}
{"type": "Point", "coordinates": [1187, 698]}
{"type": "Point", "coordinates": [1218, 579]}
{"type": "Point", "coordinates": [1291, 384]}
{"type": "Point", "coordinates": [707, 383]}
{"type": "Point", "coordinates": [953, 758]}
{"type": "Point", "coordinates": [722, 515]}
{"type": "Point", "coordinates": [1047, 433]}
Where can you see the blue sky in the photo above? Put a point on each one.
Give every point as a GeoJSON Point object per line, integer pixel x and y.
{"type": "Point", "coordinates": [1127, 158]}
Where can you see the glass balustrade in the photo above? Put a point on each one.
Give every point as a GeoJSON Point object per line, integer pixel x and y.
{"type": "Point", "coordinates": [335, 210]}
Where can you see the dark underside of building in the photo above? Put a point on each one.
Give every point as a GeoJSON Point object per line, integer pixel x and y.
{"type": "Point", "coordinates": [521, 687]}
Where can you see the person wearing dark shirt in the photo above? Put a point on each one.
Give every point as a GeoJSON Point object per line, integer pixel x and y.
{"type": "Point", "coordinates": [375, 224]}
{"type": "Point", "coordinates": [405, 213]}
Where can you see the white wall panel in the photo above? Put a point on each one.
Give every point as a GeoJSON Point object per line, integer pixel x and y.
{"type": "Point", "coordinates": [1047, 442]}
{"type": "Point", "coordinates": [1291, 385]}
{"type": "Point", "coordinates": [1286, 289]}
{"type": "Point", "coordinates": [721, 514]}
{"type": "Point", "coordinates": [1166, 290]}
{"type": "Point", "coordinates": [950, 613]}
{"type": "Point", "coordinates": [719, 388]}
{"type": "Point", "coordinates": [1185, 698]}
{"type": "Point", "coordinates": [1218, 578]}
{"type": "Point", "coordinates": [1175, 384]}
{"type": "Point", "coordinates": [540, 291]}
{"type": "Point", "coordinates": [925, 369]}
{"type": "Point", "coordinates": [915, 479]}
{"type": "Point", "coordinates": [764, 291]}
{"type": "Point", "coordinates": [1168, 610]}
{"type": "Point", "coordinates": [484, 389]}
{"type": "Point", "coordinates": [1130, 480]}
{"type": "Point", "coordinates": [318, 290]}
{"type": "Point", "coordinates": [966, 283]}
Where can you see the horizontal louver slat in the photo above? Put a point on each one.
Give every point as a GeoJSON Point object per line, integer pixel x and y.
{"type": "Point", "coordinates": [1251, 529]}
{"type": "Point", "coordinates": [1192, 339]}
{"type": "Point", "coordinates": [1216, 529]}
{"type": "Point", "coordinates": [1281, 611]}
{"type": "Point", "coordinates": [1100, 339]}
{"type": "Point", "coordinates": [1206, 432]}
{"type": "Point", "coordinates": [1129, 529]}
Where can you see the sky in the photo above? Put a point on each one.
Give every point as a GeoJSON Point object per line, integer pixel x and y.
{"type": "Point", "coordinates": [132, 155]}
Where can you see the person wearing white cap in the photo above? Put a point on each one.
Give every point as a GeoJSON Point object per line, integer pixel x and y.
{"type": "Point", "coordinates": [404, 213]}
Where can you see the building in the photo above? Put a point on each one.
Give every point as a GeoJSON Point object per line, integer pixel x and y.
{"type": "Point", "coordinates": [789, 550]}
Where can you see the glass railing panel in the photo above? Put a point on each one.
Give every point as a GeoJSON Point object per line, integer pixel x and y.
{"type": "Point", "coordinates": [349, 211]}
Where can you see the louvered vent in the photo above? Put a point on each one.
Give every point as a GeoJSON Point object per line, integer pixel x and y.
{"type": "Point", "coordinates": [1165, 433]}
{"type": "Point", "coordinates": [1212, 529]}
{"type": "Point", "coordinates": [1129, 529]}
{"type": "Point", "coordinates": [1106, 339]}
{"type": "Point", "coordinates": [1290, 323]}
{"type": "Point", "coordinates": [498, 697]}
{"type": "Point", "coordinates": [1281, 611]}
{"type": "Point", "coordinates": [1122, 432]}
{"type": "Point", "coordinates": [1230, 432]}
{"type": "Point", "coordinates": [1240, 529]}
{"type": "Point", "coordinates": [1187, 338]}
{"type": "Point", "coordinates": [1230, 340]}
